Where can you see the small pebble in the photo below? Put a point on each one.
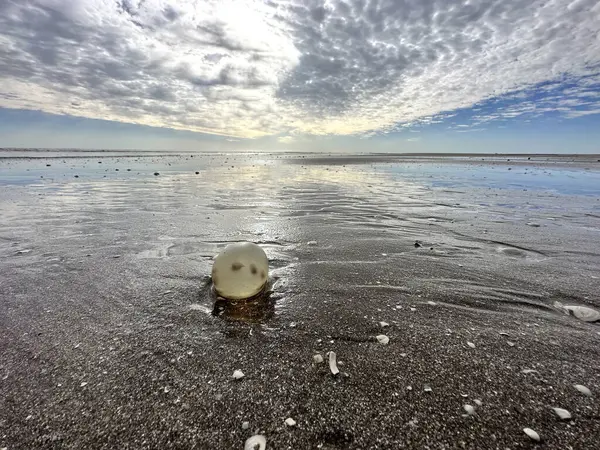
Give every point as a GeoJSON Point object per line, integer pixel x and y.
{"type": "Point", "coordinates": [470, 344]}
{"type": "Point", "coordinates": [290, 422]}
{"type": "Point", "coordinates": [318, 359]}
{"type": "Point", "coordinates": [238, 375]}
{"type": "Point", "coordinates": [532, 434]}
{"type": "Point", "coordinates": [478, 402]}
{"type": "Point", "coordinates": [245, 425]}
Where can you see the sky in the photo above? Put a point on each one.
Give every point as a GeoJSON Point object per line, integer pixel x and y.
{"type": "Point", "coordinates": [301, 75]}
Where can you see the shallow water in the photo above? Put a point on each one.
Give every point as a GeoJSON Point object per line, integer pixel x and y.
{"type": "Point", "coordinates": [463, 213]}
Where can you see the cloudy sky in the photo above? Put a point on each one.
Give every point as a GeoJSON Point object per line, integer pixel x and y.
{"type": "Point", "coordinates": [358, 75]}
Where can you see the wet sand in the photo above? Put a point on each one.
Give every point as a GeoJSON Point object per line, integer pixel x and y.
{"type": "Point", "coordinates": [109, 336]}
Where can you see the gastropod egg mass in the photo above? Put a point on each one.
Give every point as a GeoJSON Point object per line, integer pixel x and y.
{"type": "Point", "coordinates": [240, 271]}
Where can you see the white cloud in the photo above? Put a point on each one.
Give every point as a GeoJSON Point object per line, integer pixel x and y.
{"type": "Point", "coordinates": [253, 68]}
{"type": "Point", "coordinates": [286, 139]}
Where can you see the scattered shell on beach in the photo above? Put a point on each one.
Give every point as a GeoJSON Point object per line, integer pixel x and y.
{"type": "Point", "coordinates": [245, 425]}
{"type": "Point", "coordinates": [427, 388]}
{"type": "Point", "coordinates": [311, 243]}
{"type": "Point", "coordinates": [318, 359]}
{"type": "Point", "coordinates": [510, 344]}
{"type": "Point", "coordinates": [478, 402]}
{"type": "Point", "coordinates": [583, 313]}
{"type": "Point", "coordinates": [528, 371]}
{"type": "Point", "coordinates": [584, 390]}
{"type": "Point", "coordinates": [469, 410]}
{"type": "Point", "coordinates": [290, 422]}
{"type": "Point", "coordinates": [431, 303]}
{"type": "Point", "coordinates": [532, 434]}
{"type": "Point", "coordinates": [562, 413]}
{"type": "Point", "coordinates": [238, 374]}
{"type": "Point", "coordinates": [384, 324]}
{"type": "Point", "coordinates": [503, 333]}
{"type": "Point", "coordinates": [257, 442]}
{"type": "Point", "coordinates": [333, 363]}
{"type": "Point", "coordinates": [383, 339]}
{"type": "Point", "coordinates": [470, 344]}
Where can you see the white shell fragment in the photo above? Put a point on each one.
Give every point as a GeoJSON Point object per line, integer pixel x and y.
{"type": "Point", "coordinates": [290, 422]}
{"type": "Point", "coordinates": [469, 409]}
{"type": "Point", "coordinates": [333, 363]}
{"type": "Point", "coordinates": [383, 339]}
{"type": "Point", "coordinates": [562, 413]}
{"type": "Point", "coordinates": [470, 344]}
{"type": "Point", "coordinates": [245, 425]}
{"type": "Point", "coordinates": [240, 271]}
{"type": "Point", "coordinates": [427, 388]}
{"type": "Point", "coordinates": [238, 375]}
{"type": "Point", "coordinates": [384, 324]}
{"type": "Point", "coordinates": [257, 442]}
{"type": "Point", "coordinates": [583, 313]}
{"type": "Point", "coordinates": [532, 434]}
{"type": "Point", "coordinates": [584, 390]}
{"type": "Point", "coordinates": [318, 359]}
{"type": "Point", "coordinates": [528, 371]}
{"type": "Point", "coordinates": [478, 402]}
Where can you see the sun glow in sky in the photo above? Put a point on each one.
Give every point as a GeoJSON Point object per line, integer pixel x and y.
{"type": "Point", "coordinates": [357, 75]}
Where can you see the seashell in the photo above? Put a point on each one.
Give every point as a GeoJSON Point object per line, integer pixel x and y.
{"type": "Point", "coordinates": [532, 434]}
{"type": "Point", "coordinates": [562, 413]}
{"type": "Point", "coordinates": [333, 364]}
{"type": "Point", "coordinates": [583, 313]}
{"type": "Point", "coordinates": [238, 375]}
{"type": "Point", "coordinates": [383, 339]}
{"type": "Point", "coordinates": [256, 442]}
{"type": "Point", "coordinates": [584, 390]}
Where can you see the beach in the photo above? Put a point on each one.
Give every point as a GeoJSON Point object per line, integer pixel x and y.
{"type": "Point", "coordinates": [110, 336]}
